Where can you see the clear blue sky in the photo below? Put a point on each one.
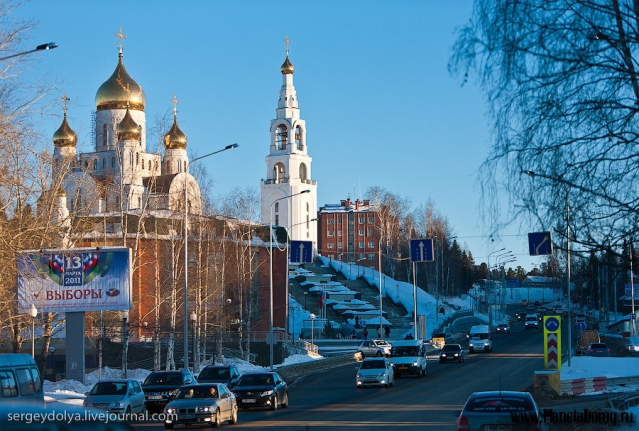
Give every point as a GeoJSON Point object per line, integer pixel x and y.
{"type": "Point", "coordinates": [371, 77]}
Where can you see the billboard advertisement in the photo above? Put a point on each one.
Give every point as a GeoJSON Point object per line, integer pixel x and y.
{"type": "Point", "coordinates": [75, 279]}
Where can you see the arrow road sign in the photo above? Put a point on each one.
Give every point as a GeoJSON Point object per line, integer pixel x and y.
{"type": "Point", "coordinates": [539, 243]}
{"type": "Point", "coordinates": [581, 326]}
{"type": "Point", "coordinates": [302, 251]}
{"type": "Point", "coordinates": [552, 324]}
{"type": "Point", "coordinates": [421, 250]}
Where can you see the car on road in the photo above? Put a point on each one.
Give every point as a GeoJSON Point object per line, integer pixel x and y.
{"type": "Point", "coordinates": [439, 339]}
{"type": "Point", "coordinates": [503, 328]}
{"type": "Point", "coordinates": [480, 339]}
{"type": "Point", "coordinates": [408, 357]}
{"type": "Point", "coordinates": [159, 385]}
{"type": "Point", "coordinates": [451, 353]}
{"type": "Point", "coordinates": [261, 390]}
{"type": "Point", "coordinates": [374, 348]}
{"type": "Point", "coordinates": [227, 374]}
{"type": "Point", "coordinates": [208, 403]}
{"type": "Point", "coordinates": [532, 321]}
{"type": "Point", "coordinates": [559, 311]}
{"type": "Point", "coordinates": [375, 372]}
{"type": "Point", "coordinates": [501, 410]}
{"type": "Point", "coordinates": [116, 396]}
{"type": "Point", "coordinates": [537, 303]}
{"type": "Point", "coordinates": [521, 315]}
{"type": "Point", "coordinates": [598, 349]}
{"type": "Point", "coordinates": [541, 310]}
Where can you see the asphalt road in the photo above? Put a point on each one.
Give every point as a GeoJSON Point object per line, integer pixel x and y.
{"type": "Point", "coordinates": [330, 400]}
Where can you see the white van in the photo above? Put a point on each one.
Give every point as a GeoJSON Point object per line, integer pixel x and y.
{"type": "Point", "coordinates": [480, 339]}
{"type": "Point", "coordinates": [20, 378]}
{"type": "Point", "coordinates": [408, 357]}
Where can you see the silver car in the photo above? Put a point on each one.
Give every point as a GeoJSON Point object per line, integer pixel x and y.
{"type": "Point", "coordinates": [375, 372]}
{"type": "Point", "coordinates": [116, 396]}
{"type": "Point", "coordinates": [209, 403]}
{"type": "Point", "coordinates": [501, 410]}
{"type": "Point", "coordinates": [374, 348]}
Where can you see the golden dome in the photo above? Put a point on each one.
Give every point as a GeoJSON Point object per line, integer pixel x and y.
{"type": "Point", "coordinates": [175, 139]}
{"type": "Point", "coordinates": [119, 89]}
{"type": "Point", "coordinates": [287, 68]}
{"type": "Point", "coordinates": [128, 129]}
{"type": "Point", "coordinates": [65, 136]}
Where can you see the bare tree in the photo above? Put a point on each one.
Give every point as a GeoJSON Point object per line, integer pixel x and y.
{"type": "Point", "coordinates": [560, 79]}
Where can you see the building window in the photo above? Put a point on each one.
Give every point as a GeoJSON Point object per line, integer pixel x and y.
{"type": "Point", "coordinates": [303, 173]}
{"type": "Point", "coordinates": [298, 137]}
{"type": "Point", "coordinates": [330, 221]}
{"type": "Point", "coordinates": [103, 163]}
{"type": "Point", "coordinates": [339, 220]}
{"type": "Point", "coordinates": [104, 134]}
{"type": "Point", "coordinates": [277, 220]}
{"type": "Point", "coordinates": [339, 233]}
{"type": "Point", "coordinates": [339, 245]}
{"type": "Point", "coordinates": [278, 172]}
{"type": "Point", "coordinates": [277, 207]}
{"type": "Point", "coordinates": [281, 137]}
{"type": "Point", "coordinates": [361, 244]}
{"type": "Point", "coordinates": [139, 202]}
{"type": "Point", "coordinates": [371, 244]}
{"type": "Point", "coordinates": [179, 166]}
{"type": "Point", "coordinates": [361, 232]}
{"type": "Point", "coordinates": [371, 256]}
{"type": "Point", "coordinates": [137, 159]}
{"type": "Point", "coordinates": [370, 232]}
{"type": "Point", "coordinates": [361, 256]}
{"type": "Point", "coordinates": [371, 219]}
{"type": "Point", "coordinates": [331, 256]}
{"type": "Point", "coordinates": [95, 165]}
{"type": "Point", "coordinates": [131, 158]}
{"type": "Point", "coordinates": [361, 220]}
{"type": "Point", "coordinates": [330, 233]}
{"type": "Point", "coordinates": [330, 245]}
{"type": "Point", "coordinates": [185, 166]}
{"type": "Point", "coordinates": [142, 164]}
{"type": "Point", "coordinates": [307, 207]}
{"type": "Point", "coordinates": [112, 162]}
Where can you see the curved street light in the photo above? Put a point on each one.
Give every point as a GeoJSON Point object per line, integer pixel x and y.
{"type": "Point", "coordinates": [33, 312]}
{"type": "Point", "coordinates": [43, 47]}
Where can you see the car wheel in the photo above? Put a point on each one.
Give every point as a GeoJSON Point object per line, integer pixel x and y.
{"type": "Point", "coordinates": [218, 419]}
{"type": "Point", "coordinates": [233, 419]}
{"type": "Point", "coordinates": [285, 403]}
{"type": "Point", "coordinates": [274, 403]}
{"type": "Point", "coordinates": [419, 373]}
{"type": "Point", "coordinates": [168, 426]}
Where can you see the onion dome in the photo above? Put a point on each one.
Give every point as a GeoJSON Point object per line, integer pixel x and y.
{"type": "Point", "coordinates": [119, 89]}
{"type": "Point", "coordinates": [128, 129]}
{"type": "Point", "coordinates": [65, 136]}
{"type": "Point", "coordinates": [175, 139]}
{"type": "Point", "coordinates": [287, 68]}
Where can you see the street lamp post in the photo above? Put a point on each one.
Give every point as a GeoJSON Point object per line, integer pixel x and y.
{"type": "Point", "coordinates": [43, 47]}
{"type": "Point", "coordinates": [312, 316]}
{"type": "Point", "coordinates": [270, 326]}
{"type": "Point", "coordinates": [559, 180]}
{"type": "Point", "coordinates": [379, 248]}
{"type": "Point", "coordinates": [125, 342]}
{"type": "Point", "coordinates": [33, 312]}
{"type": "Point", "coordinates": [186, 255]}
{"type": "Point", "coordinates": [193, 318]}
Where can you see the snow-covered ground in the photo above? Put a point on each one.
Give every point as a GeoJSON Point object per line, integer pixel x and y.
{"type": "Point", "coordinates": [588, 366]}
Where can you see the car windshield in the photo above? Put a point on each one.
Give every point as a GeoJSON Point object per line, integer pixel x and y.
{"type": "Point", "coordinates": [163, 379]}
{"type": "Point", "coordinates": [598, 346]}
{"type": "Point", "coordinates": [214, 373]}
{"type": "Point", "coordinates": [491, 404]}
{"type": "Point", "coordinates": [256, 380]}
{"type": "Point", "coordinates": [366, 365]}
{"type": "Point", "coordinates": [404, 351]}
{"type": "Point", "coordinates": [440, 335]}
{"type": "Point", "coordinates": [451, 347]}
{"type": "Point", "coordinates": [197, 392]}
{"type": "Point", "coordinates": [109, 388]}
{"type": "Point", "coordinates": [381, 343]}
{"type": "Point", "coordinates": [479, 336]}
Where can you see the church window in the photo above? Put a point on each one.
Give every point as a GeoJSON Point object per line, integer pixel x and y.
{"type": "Point", "coordinates": [95, 165]}
{"type": "Point", "coordinates": [104, 134]}
{"type": "Point", "coordinates": [307, 207]}
{"type": "Point", "coordinates": [156, 165]}
{"type": "Point", "coordinates": [142, 164]}
{"type": "Point", "coordinates": [139, 202]}
{"type": "Point", "coordinates": [185, 166]}
{"type": "Point", "coordinates": [277, 220]}
{"type": "Point", "coordinates": [281, 137]}
{"type": "Point", "coordinates": [137, 159]}
{"type": "Point", "coordinates": [277, 207]}
{"type": "Point", "coordinates": [140, 129]}
{"type": "Point", "coordinates": [278, 172]}
{"type": "Point", "coordinates": [179, 166]}
{"type": "Point", "coordinates": [298, 137]}
{"type": "Point", "coordinates": [131, 158]}
{"type": "Point", "coordinates": [303, 171]}
{"type": "Point", "coordinates": [112, 162]}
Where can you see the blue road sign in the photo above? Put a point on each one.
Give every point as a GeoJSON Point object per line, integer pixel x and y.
{"type": "Point", "coordinates": [302, 251]}
{"type": "Point", "coordinates": [552, 324]}
{"type": "Point", "coordinates": [581, 326]}
{"type": "Point", "coordinates": [539, 243]}
{"type": "Point", "coordinates": [421, 250]}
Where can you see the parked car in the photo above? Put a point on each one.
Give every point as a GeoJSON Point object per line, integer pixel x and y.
{"type": "Point", "coordinates": [227, 374]}
{"type": "Point", "coordinates": [375, 372]}
{"type": "Point", "coordinates": [598, 349]}
{"type": "Point", "coordinates": [532, 321]}
{"type": "Point", "coordinates": [116, 396]}
{"type": "Point", "coordinates": [408, 357]}
{"type": "Point", "coordinates": [160, 384]}
{"type": "Point", "coordinates": [494, 411]}
{"type": "Point", "coordinates": [503, 328]}
{"type": "Point", "coordinates": [261, 390]}
{"type": "Point", "coordinates": [374, 348]}
{"type": "Point", "coordinates": [209, 403]}
{"type": "Point", "coordinates": [451, 353]}
{"type": "Point", "coordinates": [21, 382]}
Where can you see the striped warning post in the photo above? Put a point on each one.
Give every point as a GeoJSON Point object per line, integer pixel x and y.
{"type": "Point", "coordinates": [599, 383]}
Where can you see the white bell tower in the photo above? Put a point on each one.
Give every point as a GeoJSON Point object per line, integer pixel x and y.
{"type": "Point", "coordinates": [288, 168]}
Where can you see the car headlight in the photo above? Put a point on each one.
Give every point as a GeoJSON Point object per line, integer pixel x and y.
{"type": "Point", "coordinates": [415, 364]}
{"type": "Point", "coordinates": [205, 409]}
{"type": "Point", "coordinates": [118, 404]}
{"type": "Point", "coordinates": [456, 354]}
{"type": "Point", "coordinates": [267, 393]}
{"type": "Point", "coordinates": [169, 410]}
{"type": "Point", "coordinates": [443, 355]}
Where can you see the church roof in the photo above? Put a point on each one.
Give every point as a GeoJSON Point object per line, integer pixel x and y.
{"type": "Point", "coordinates": [119, 89]}
{"type": "Point", "coordinates": [65, 136]}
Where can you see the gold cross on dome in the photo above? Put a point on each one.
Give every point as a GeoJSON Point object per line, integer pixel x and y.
{"type": "Point", "coordinates": [65, 98]}
{"type": "Point", "coordinates": [287, 42]}
{"type": "Point", "coordinates": [122, 37]}
{"type": "Point", "coordinates": [175, 102]}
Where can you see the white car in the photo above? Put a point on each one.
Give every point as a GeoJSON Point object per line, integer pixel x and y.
{"type": "Point", "coordinates": [375, 372]}
{"type": "Point", "coordinates": [532, 321]}
{"type": "Point", "coordinates": [374, 348]}
{"type": "Point", "coordinates": [503, 327]}
{"type": "Point", "coordinates": [116, 396]}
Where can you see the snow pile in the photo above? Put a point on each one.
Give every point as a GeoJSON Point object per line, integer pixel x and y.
{"type": "Point", "coordinates": [588, 366]}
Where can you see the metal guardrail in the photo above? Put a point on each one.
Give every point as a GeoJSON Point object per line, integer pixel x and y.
{"type": "Point", "coordinates": [232, 353]}
{"type": "Point", "coordinates": [456, 315]}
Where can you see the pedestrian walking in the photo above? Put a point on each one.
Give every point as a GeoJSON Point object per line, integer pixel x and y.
{"type": "Point", "coordinates": [387, 331]}
{"type": "Point", "coordinates": [365, 333]}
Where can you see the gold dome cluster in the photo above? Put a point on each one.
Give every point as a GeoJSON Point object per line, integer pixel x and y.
{"type": "Point", "coordinates": [287, 68]}
{"type": "Point", "coordinates": [65, 136]}
{"type": "Point", "coordinates": [128, 129]}
{"type": "Point", "coordinates": [175, 139]}
{"type": "Point", "coordinates": [119, 89]}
